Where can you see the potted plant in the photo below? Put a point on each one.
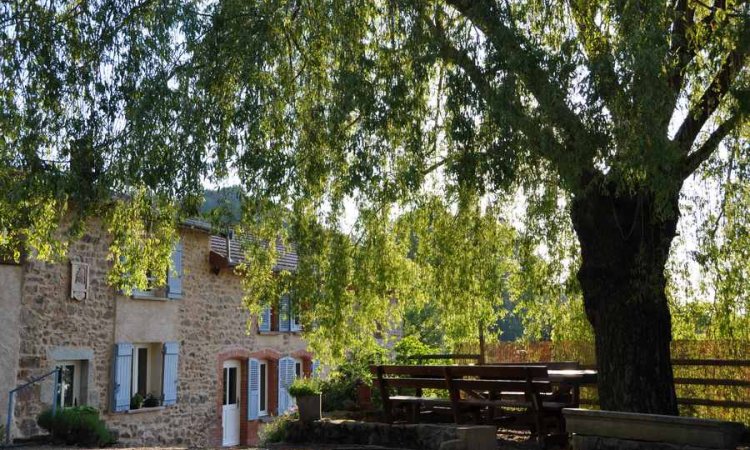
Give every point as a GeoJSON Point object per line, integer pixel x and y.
{"type": "Point", "coordinates": [307, 393]}
{"type": "Point", "coordinates": [151, 401]}
{"type": "Point", "coordinates": [136, 401]}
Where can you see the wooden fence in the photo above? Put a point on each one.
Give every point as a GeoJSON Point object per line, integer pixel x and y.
{"type": "Point", "coordinates": [712, 378]}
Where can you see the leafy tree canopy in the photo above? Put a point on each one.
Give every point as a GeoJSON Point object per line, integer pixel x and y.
{"type": "Point", "coordinates": [428, 117]}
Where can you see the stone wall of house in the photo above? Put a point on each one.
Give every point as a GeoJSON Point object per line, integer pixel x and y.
{"type": "Point", "coordinates": [208, 322]}
{"type": "Point", "coordinates": [11, 277]}
{"type": "Point", "coordinates": [51, 322]}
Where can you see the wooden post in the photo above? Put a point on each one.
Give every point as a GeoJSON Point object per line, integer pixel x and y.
{"type": "Point", "coordinates": [384, 395]}
{"type": "Point", "coordinates": [481, 343]}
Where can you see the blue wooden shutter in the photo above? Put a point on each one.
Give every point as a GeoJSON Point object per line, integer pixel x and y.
{"type": "Point", "coordinates": [291, 375]}
{"type": "Point", "coordinates": [174, 276]}
{"type": "Point", "coordinates": [122, 374]}
{"type": "Point", "coordinates": [253, 389]}
{"type": "Point", "coordinates": [284, 314]}
{"type": "Point", "coordinates": [282, 391]}
{"type": "Point", "coordinates": [169, 379]}
{"type": "Point", "coordinates": [264, 320]}
{"type": "Point", "coordinates": [286, 368]}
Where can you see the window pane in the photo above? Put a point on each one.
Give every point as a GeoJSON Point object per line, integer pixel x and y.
{"type": "Point", "coordinates": [298, 369]}
{"type": "Point", "coordinates": [68, 374]}
{"type": "Point", "coordinates": [142, 371]}
{"type": "Point", "coordinates": [262, 387]}
{"type": "Point", "coordinates": [224, 402]}
{"type": "Point", "coordinates": [232, 386]}
{"type": "Point", "coordinates": [60, 389]}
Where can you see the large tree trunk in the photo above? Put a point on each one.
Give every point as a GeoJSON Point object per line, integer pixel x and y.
{"type": "Point", "coordinates": [624, 245]}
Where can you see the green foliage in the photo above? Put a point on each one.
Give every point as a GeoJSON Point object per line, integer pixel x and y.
{"type": "Point", "coordinates": [276, 430]}
{"type": "Point", "coordinates": [459, 131]}
{"type": "Point", "coordinates": [79, 425]}
{"type": "Point", "coordinates": [301, 387]}
{"type": "Point", "coordinates": [151, 401]}
{"type": "Point", "coordinates": [411, 346]}
{"type": "Point", "coordinates": [2, 432]}
{"type": "Point", "coordinates": [136, 401]}
{"type": "Point", "coordinates": [339, 389]}
{"type": "Point", "coordinates": [339, 393]}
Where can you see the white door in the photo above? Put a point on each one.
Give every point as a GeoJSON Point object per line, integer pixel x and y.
{"type": "Point", "coordinates": [230, 412]}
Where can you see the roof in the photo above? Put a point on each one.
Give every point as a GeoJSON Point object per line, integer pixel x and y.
{"type": "Point", "coordinates": [287, 256]}
{"type": "Point", "coordinates": [197, 224]}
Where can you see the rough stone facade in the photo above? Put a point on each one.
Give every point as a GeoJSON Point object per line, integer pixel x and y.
{"type": "Point", "coordinates": [208, 322]}
{"type": "Point", "coordinates": [11, 277]}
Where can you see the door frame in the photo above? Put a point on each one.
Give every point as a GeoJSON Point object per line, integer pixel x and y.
{"type": "Point", "coordinates": [236, 364]}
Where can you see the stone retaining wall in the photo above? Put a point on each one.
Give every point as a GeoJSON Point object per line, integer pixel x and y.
{"type": "Point", "coordinates": [601, 443]}
{"type": "Point", "coordinates": [411, 436]}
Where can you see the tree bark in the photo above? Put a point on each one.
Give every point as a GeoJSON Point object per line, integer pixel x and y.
{"type": "Point", "coordinates": [625, 245]}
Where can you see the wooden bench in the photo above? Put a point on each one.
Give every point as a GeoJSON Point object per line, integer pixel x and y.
{"type": "Point", "coordinates": [515, 391]}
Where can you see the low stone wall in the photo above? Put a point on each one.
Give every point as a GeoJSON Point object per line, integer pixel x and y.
{"type": "Point", "coordinates": [412, 436]}
{"type": "Point", "coordinates": [600, 443]}
{"type": "Point", "coordinates": [609, 430]}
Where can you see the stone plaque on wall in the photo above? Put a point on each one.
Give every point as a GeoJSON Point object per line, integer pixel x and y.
{"type": "Point", "coordinates": [79, 280]}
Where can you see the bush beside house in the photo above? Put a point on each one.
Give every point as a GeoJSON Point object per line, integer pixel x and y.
{"type": "Point", "coordinates": [78, 425]}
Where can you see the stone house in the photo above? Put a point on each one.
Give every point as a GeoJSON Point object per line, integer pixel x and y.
{"type": "Point", "coordinates": [212, 374]}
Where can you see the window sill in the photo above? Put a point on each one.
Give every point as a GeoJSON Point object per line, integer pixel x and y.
{"type": "Point", "coordinates": [276, 333]}
{"type": "Point", "coordinates": [145, 410]}
{"type": "Point", "coordinates": [266, 418]}
{"type": "Point", "coordinates": [150, 297]}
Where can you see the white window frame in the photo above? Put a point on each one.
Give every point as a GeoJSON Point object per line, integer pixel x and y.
{"type": "Point", "coordinates": [134, 374]}
{"type": "Point", "coordinates": [294, 324]}
{"type": "Point", "coordinates": [76, 387]}
{"type": "Point", "coordinates": [262, 387]}
{"type": "Point", "coordinates": [299, 371]}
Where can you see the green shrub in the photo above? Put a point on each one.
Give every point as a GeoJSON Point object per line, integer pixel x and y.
{"type": "Point", "coordinates": [276, 430]}
{"type": "Point", "coordinates": [2, 434]}
{"type": "Point", "coordinates": [78, 425]}
{"type": "Point", "coordinates": [304, 386]}
{"type": "Point", "coordinates": [339, 393]}
{"type": "Point", "coordinates": [411, 346]}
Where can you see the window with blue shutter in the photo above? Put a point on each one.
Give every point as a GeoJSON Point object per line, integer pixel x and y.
{"type": "Point", "coordinates": [170, 367]}
{"type": "Point", "coordinates": [123, 363]}
{"type": "Point", "coordinates": [264, 320]}
{"type": "Point", "coordinates": [174, 276]}
{"type": "Point", "coordinates": [253, 389]}
{"type": "Point", "coordinates": [285, 311]}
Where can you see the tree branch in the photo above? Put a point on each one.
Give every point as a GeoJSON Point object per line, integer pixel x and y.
{"type": "Point", "coordinates": [599, 55]}
{"type": "Point", "coordinates": [542, 139]}
{"type": "Point", "coordinates": [526, 64]}
{"type": "Point", "coordinates": [711, 98]}
{"type": "Point", "coordinates": [684, 15]}
{"type": "Point", "coordinates": [695, 159]}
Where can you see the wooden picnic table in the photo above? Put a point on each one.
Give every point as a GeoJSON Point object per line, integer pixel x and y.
{"type": "Point", "coordinates": [528, 393]}
{"type": "Point", "coordinates": [572, 379]}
